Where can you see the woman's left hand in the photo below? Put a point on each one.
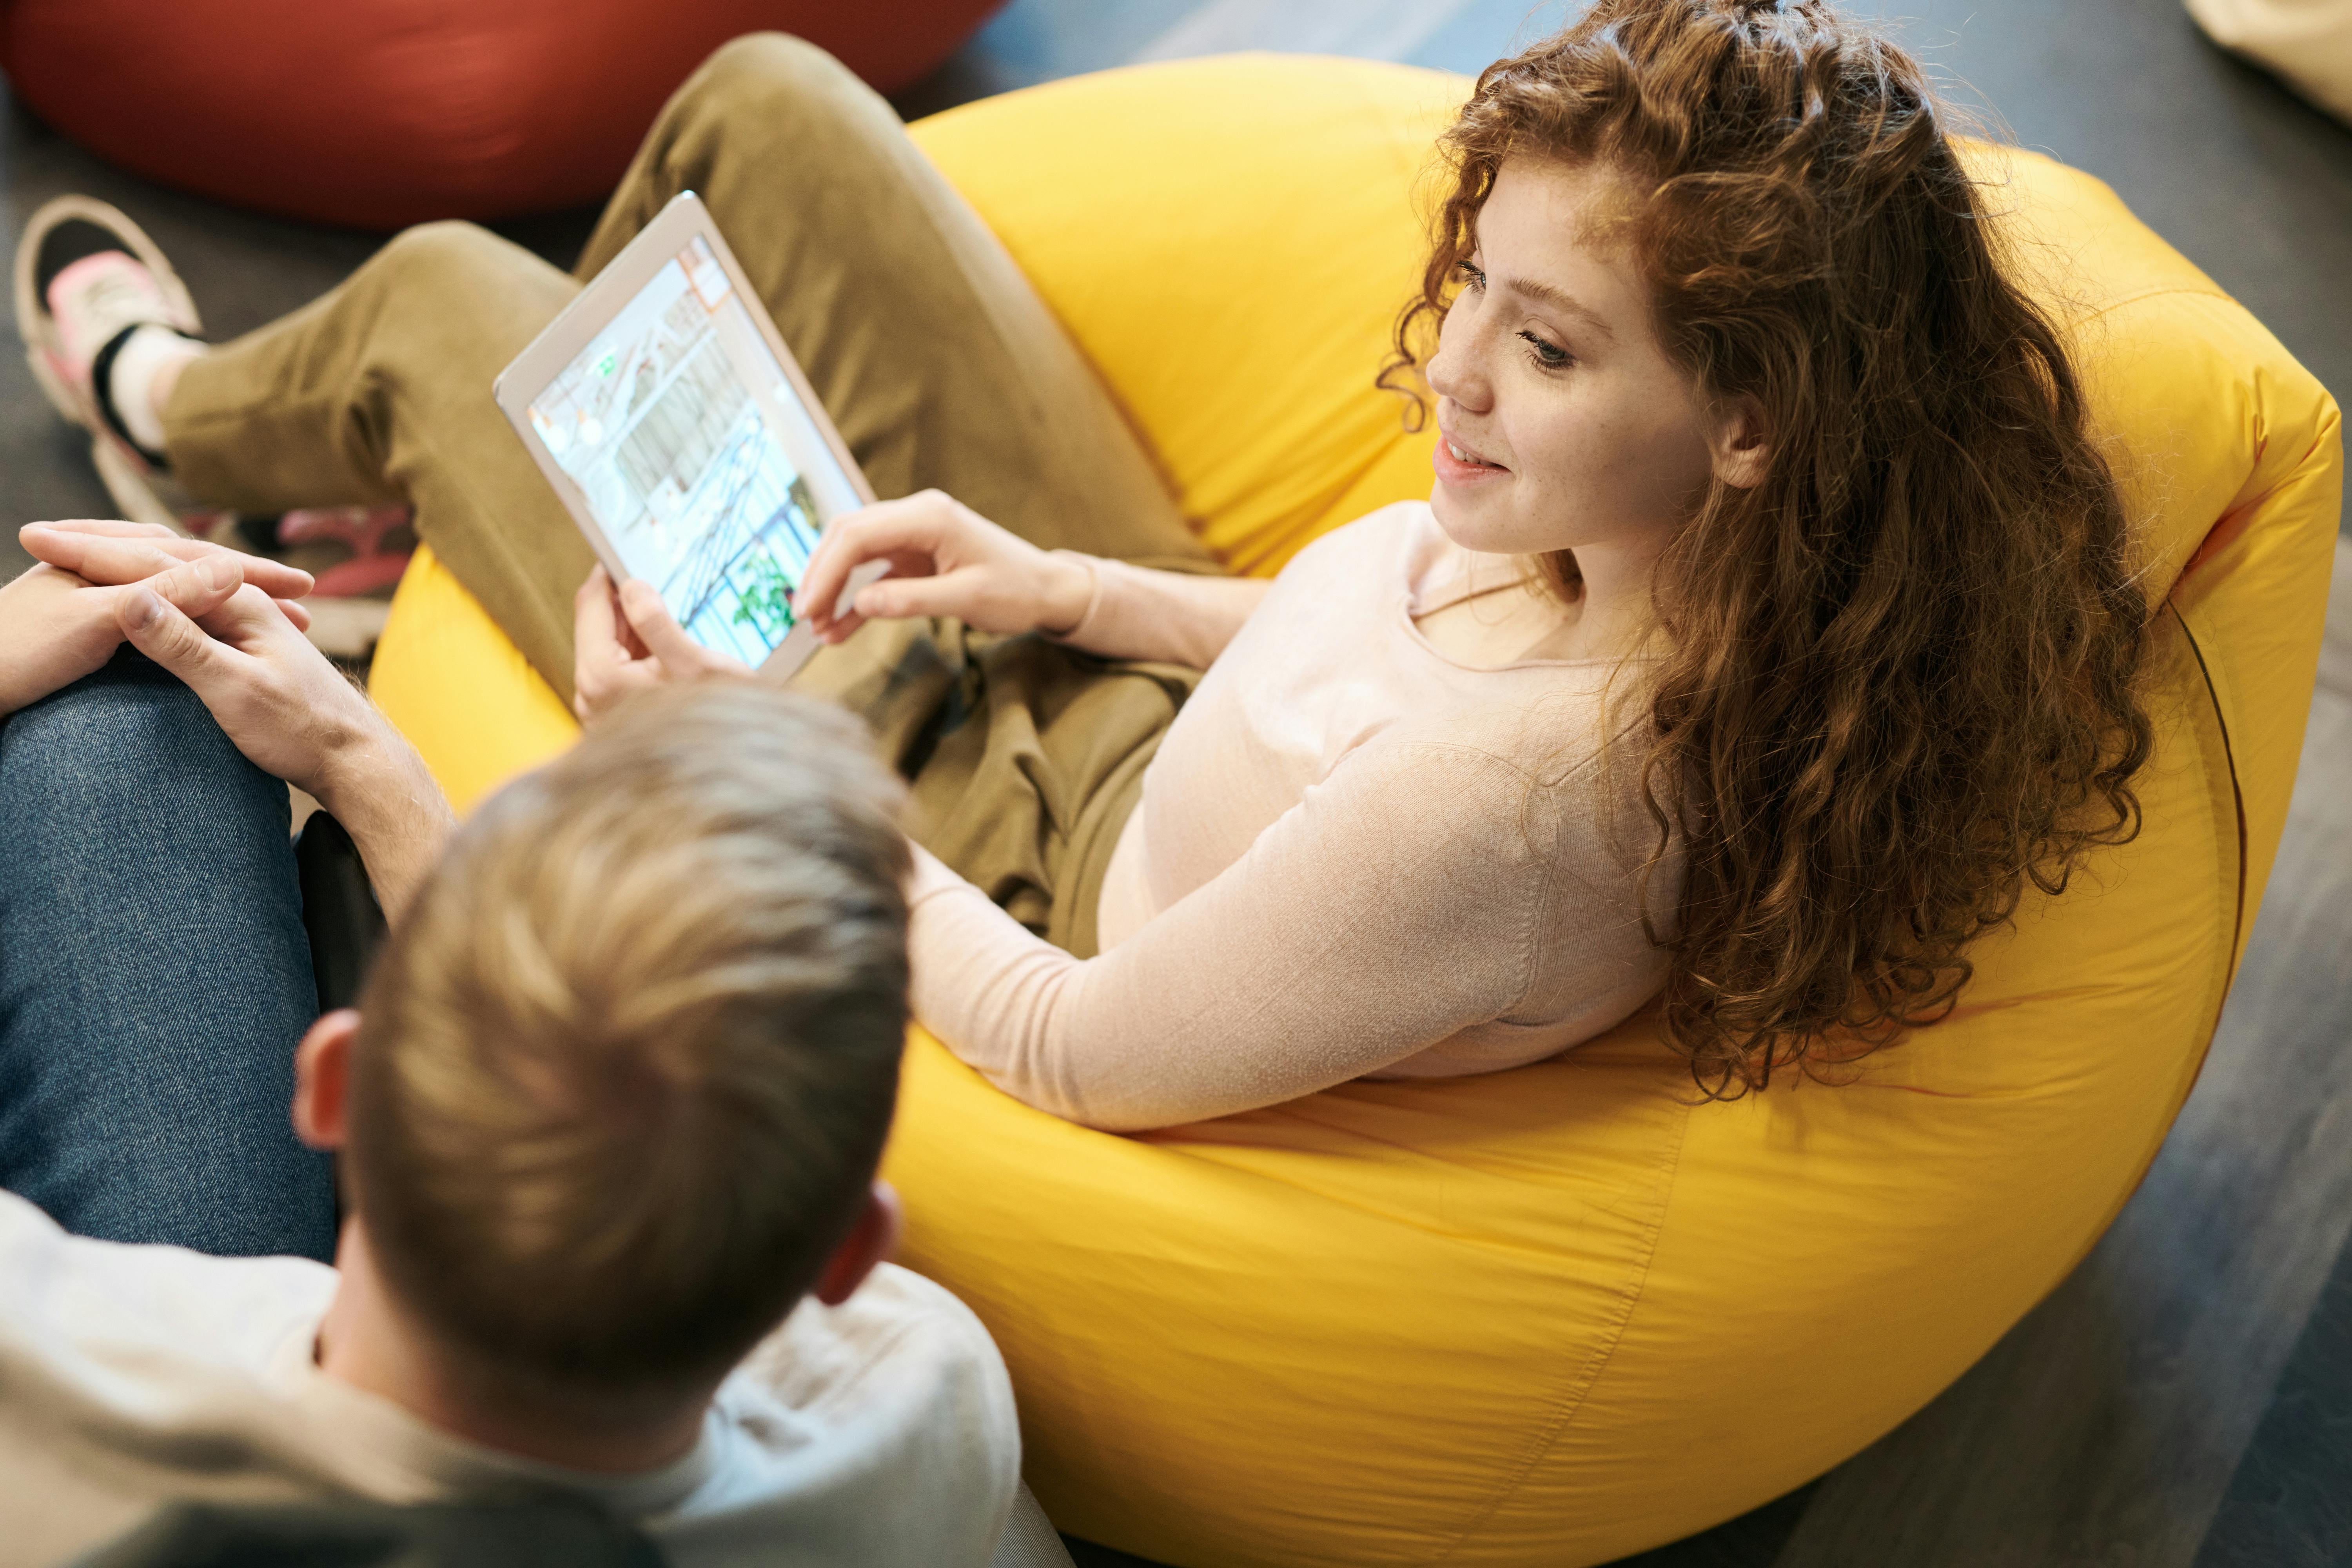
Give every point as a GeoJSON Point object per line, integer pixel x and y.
{"type": "Point", "coordinates": [59, 620]}
{"type": "Point", "coordinates": [625, 639]}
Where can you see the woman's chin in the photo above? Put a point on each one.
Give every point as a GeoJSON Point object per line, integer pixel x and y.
{"type": "Point", "coordinates": [1475, 521]}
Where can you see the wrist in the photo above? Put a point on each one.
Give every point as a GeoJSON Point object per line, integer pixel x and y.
{"type": "Point", "coordinates": [367, 762]}
{"type": "Point", "coordinates": [390, 802]}
{"type": "Point", "coordinates": [1069, 592]}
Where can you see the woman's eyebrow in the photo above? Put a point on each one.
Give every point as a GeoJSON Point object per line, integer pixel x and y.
{"type": "Point", "coordinates": [1559, 299]}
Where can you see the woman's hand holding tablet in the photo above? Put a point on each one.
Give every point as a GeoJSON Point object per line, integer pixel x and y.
{"type": "Point", "coordinates": [625, 639]}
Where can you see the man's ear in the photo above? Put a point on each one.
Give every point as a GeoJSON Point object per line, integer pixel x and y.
{"type": "Point", "coordinates": [322, 1065]}
{"type": "Point", "coordinates": [873, 1238]}
{"type": "Point", "coordinates": [1739, 443]}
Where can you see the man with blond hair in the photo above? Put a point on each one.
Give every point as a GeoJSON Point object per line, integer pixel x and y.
{"type": "Point", "coordinates": [607, 1117]}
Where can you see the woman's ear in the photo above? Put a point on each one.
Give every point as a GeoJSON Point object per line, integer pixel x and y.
{"type": "Point", "coordinates": [323, 1064]}
{"type": "Point", "coordinates": [1742, 453]}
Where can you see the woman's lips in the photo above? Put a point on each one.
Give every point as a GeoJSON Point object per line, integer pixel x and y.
{"type": "Point", "coordinates": [1459, 464]}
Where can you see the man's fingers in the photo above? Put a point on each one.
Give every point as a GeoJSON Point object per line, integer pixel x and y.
{"type": "Point", "coordinates": [276, 578]}
{"type": "Point", "coordinates": [157, 628]}
{"type": "Point", "coordinates": [104, 559]}
{"type": "Point", "coordinates": [115, 526]}
{"type": "Point", "coordinates": [104, 552]}
{"type": "Point", "coordinates": [295, 611]}
{"type": "Point", "coordinates": [248, 619]}
{"type": "Point", "coordinates": [199, 587]}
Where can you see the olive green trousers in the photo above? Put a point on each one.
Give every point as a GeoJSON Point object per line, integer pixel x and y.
{"type": "Point", "coordinates": [928, 348]}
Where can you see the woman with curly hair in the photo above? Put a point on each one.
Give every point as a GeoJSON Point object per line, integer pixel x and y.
{"type": "Point", "coordinates": [1770, 624]}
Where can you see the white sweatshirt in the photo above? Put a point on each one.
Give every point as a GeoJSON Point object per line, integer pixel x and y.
{"type": "Point", "coordinates": [876, 1433]}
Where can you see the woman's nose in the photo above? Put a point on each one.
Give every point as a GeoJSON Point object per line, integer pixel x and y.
{"type": "Point", "coordinates": [1453, 371]}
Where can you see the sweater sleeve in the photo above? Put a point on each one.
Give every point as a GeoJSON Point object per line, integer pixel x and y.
{"type": "Point", "coordinates": [1399, 902]}
{"type": "Point", "coordinates": [1170, 617]}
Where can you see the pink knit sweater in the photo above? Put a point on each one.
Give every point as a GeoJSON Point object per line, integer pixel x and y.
{"type": "Point", "coordinates": [1355, 856]}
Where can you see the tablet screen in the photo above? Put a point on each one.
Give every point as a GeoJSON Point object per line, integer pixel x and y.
{"type": "Point", "coordinates": [695, 455]}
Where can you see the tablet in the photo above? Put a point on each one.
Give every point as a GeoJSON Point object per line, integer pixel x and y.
{"type": "Point", "coordinates": [681, 435]}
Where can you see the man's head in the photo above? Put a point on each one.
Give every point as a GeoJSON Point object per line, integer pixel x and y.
{"type": "Point", "coordinates": [625, 1069]}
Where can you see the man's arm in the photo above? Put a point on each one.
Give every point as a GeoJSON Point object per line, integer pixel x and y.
{"type": "Point", "coordinates": [297, 717]}
{"type": "Point", "coordinates": [244, 654]}
{"type": "Point", "coordinates": [56, 621]}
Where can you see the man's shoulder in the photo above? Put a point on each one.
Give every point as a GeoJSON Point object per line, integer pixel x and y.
{"type": "Point", "coordinates": [883, 1427]}
{"type": "Point", "coordinates": [74, 1298]}
{"type": "Point", "coordinates": [899, 1328]}
{"type": "Point", "coordinates": [133, 1373]}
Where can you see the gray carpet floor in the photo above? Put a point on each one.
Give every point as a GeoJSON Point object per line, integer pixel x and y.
{"type": "Point", "coordinates": [2185, 1400]}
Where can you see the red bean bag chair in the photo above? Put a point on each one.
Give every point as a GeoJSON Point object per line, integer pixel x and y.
{"type": "Point", "coordinates": [381, 113]}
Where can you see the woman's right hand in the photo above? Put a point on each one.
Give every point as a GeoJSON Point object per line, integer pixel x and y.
{"type": "Point", "coordinates": [945, 559]}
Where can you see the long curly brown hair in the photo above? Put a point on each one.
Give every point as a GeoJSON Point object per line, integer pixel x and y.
{"type": "Point", "coordinates": [1898, 676]}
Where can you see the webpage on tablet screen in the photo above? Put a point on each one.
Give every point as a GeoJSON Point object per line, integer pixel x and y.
{"type": "Point", "coordinates": [695, 456]}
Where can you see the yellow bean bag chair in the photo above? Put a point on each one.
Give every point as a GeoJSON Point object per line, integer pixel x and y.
{"type": "Point", "coordinates": [1563, 1314]}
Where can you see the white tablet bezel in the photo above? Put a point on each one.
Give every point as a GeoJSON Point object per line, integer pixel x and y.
{"type": "Point", "coordinates": [680, 220]}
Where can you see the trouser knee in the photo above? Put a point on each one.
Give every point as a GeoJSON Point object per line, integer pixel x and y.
{"type": "Point", "coordinates": [768, 85]}
{"type": "Point", "coordinates": [444, 305]}
{"type": "Point", "coordinates": [131, 720]}
{"type": "Point", "coordinates": [450, 257]}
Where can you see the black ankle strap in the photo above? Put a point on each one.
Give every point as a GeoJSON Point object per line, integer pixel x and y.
{"type": "Point", "coordinates": [101, 392]}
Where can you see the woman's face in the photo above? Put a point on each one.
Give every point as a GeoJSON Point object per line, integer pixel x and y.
{"type": "Point", "coordinates": [1562, 423]}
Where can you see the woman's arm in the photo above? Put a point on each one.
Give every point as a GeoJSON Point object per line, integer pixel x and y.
{"type": "Point", "coordinates": [1398, 904]}
{"type": "Point", "coordinates": [947, 560]}
{"type": "Point", "coordinates": [1173, 617]}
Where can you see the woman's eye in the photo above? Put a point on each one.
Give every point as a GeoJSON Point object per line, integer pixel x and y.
{"type": "Point", "coordinates": [1471, 277]}
{"type": "Point", "coordinates": [1551, 357]}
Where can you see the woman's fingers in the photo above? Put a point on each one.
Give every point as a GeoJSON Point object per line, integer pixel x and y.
{"type": "Point", "coordinates": [958, 593]}
{"type": "Point", "coordinates": [593, 639]}
{"type": "Point", "coordinates": [907, 533]}
{"type": "Point", "coordinates": [626, 639]}
{"type": "Point", "coordinates": [663, 636]}
{"type": "Point", "coordinates": [596, 652]}
{"type": "Point", "coordinates": [605, 666]}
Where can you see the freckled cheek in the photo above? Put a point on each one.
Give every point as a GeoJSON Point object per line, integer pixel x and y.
{"type": "Point", "coordinates": [1575, 459]}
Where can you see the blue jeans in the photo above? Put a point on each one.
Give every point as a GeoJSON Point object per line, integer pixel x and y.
{"type": "Point", "coordinates": [154, 977]}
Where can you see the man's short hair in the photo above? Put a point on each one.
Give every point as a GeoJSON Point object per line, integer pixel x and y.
{"type": "Point", "coordinates": [624, 1070]}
